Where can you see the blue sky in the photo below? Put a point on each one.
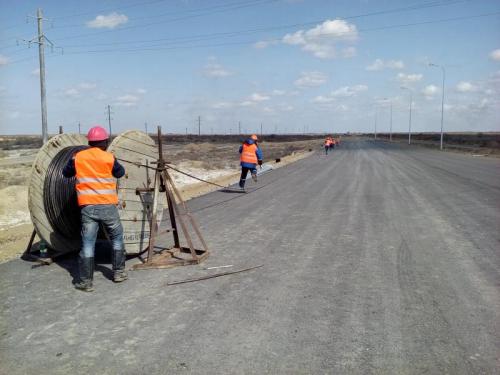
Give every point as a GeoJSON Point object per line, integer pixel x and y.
{"type": "Point", "coordinates": [291, 65]}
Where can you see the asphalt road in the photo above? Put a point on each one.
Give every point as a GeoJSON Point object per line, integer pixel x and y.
{"type": "Point", "coordinates": [377, 259]}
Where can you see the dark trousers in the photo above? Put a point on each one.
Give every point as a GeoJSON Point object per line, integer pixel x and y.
{"type": "Point", "coordinates": [244, 173]}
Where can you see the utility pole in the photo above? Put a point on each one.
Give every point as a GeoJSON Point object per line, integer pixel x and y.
{"type": "Point", "coordinates": [239, 127]}
{"type": "Point", "coordinates": [375, 123]}
{"type": "Point", "coordinates": [41, 56]}
{"type": "Point", "coordinates": [79, 128]}
{"type": "Point", "coordinates": [442, 103]}
{"type": "Point", "coordinates": [146, 127]}
{"type": "Point", "coordinates": [390, 125]}
{"type": "Point", "coordinates": [409, 123]}
{"type": "Point", "coordinates": [109, 120]}
{"type": "Point", "coordinates": [199, 125]}
{"type": "Point", "coordinates": [40, 39]}
{"type": "Point", "coordinates": [186, 131]}
{"type": "Point", "coordinates": [261, 129]}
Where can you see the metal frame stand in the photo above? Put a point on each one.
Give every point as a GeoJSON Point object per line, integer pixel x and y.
{"type": "Point", "coordinates": [158, 257]}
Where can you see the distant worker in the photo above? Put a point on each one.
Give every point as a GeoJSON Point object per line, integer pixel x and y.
{"type": "Point", "coordinates": [96, 171]}
{"type": "Point", "coordinates": [327, 145]}
{"type": "Point", "coordinates": [251, 155]}
{"type": "Point", "coordinates": [333, 143]}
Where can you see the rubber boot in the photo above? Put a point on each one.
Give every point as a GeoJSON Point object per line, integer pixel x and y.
{"type": "Point", "coordinates": [86, 274]}
{"type": "Point", "coordinates": [119, 273]}
{"type": "Point", "coordinates": [254, 176]}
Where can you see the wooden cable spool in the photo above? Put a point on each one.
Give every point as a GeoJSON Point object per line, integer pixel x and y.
{"type": "Point", "coordinates": [135, 150]}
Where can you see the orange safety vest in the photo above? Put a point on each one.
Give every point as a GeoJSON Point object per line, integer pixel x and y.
{"type": "Point", "coordinates": [95, 183]}
{"type": "Point", "coordinates": [248, 154]}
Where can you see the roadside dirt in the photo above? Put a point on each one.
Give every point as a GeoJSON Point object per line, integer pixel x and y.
{"type": "Point", "coordinates": [218, 163]}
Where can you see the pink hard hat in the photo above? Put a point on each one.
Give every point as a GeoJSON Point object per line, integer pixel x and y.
{"type": "Point", "coordinates": [97, 133]}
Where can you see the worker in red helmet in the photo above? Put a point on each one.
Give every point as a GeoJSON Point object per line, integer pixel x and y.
{"type": "Point", "coordinates": [96, 171]}
{"type": "Point", "coordinates": [250, 156]}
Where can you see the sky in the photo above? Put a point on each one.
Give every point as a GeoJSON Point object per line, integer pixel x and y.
{"type": "Point", "coordinates": [293, 66]}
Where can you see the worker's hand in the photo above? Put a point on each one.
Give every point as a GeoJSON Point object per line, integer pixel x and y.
{"type": "Point", "coordinates": [260, 162]}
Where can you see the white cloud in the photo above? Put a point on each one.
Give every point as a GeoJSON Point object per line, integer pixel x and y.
{"type": "Point", "coordinates": [215, 70]}
{"type": "Point", "coordinates": [141, 91]}
{"type": "Point", "coordinates": [323, 99]}
{"type": "Point", "coordinates": [3, 60]}
{"type": "Point", "coordinates": [35, 72]}
{"type": "Point", "coordinates": [14, 115]}
{"type": "Point", "coordinates": [278, 92]}
{"type": "Point", "coordinates": [110, 21]}
{"type": "Point", "coordinates": [72, 92]}
{"type": "Point", "coordinates": [342, 92]}
{"type": "Point", "coordinates": [101, 96]}
{"type": "Point", "coordinates": [310, 79]}
{"type": "Point", "coordinates": [256, 97]}
{"type": "Point", "coordinates": [409, 78]}
{"type": "Point", "coordinates": [380, 64]}
{"type": "Point", "coordinates": [429, 91]}
{"type": "Point", "coordinates": [348, 91]}
{"type": "Point", "coordinates": [127, 101]}
{"type": "Point", "coordinates": [349, 52]}
{"type": "Point", "coordinates": [264, 44]}
{"type": "Point", "coordinates": [495, 55]}
{"type": "Point", "coordinates": [87, 86]}
{"type": "Point", "coordinates": [322, 39]}
{"type": "Point", "coordinates": [222, 105]}
{"type": "Point", "coordinates": [465, 86]}
{"type": "Point", "coordinates": [247, 103]}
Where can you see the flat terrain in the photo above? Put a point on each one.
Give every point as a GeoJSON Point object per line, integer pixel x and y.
{"type": "Point", "coordinates": [377, 259]}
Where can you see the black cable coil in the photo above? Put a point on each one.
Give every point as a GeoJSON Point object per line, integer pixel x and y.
{"type": "Point", "coordinates": [59, 195]}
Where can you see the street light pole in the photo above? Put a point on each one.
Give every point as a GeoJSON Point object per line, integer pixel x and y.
{"type": "Point", "coordinates": [390, 124]}
{"type": "Point", "coordinates": [375, 122]}
{"type": "Point", "coordinates": [442, 102]}
{"type": "Point", "coordinates": [409, 124]}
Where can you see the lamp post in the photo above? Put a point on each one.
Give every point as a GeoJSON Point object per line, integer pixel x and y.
{"type": "Point", "coordinates": [376, 109]}
{"type": "Point", "coordinates": [390, 123]}
{"type": "Point", "coordinates": [409, 123]}
{"type": "Point", "coordinates": [442, 102]}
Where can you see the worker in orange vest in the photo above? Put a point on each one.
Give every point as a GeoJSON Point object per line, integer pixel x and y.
{"type": "Point", "coordinates": [251, 155]}
{"type": "Point", "coordinates": [327, 144]}
{"type": "Point", "coordinates": [96, 171]}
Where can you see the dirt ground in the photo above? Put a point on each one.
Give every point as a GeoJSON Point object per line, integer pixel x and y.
{"type": "Point", "coordinates": [216, 162]}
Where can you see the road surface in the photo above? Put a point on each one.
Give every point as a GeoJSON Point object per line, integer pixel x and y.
{"type": "Point", "coordinates": [377, 259]}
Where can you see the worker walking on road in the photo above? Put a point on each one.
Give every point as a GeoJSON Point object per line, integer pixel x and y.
{"type": "Point", "coordinates": [327, 144]}
{"type": "Point", "coordinates": [96, 171]}
{"type": "Point", "coordinates": [251, 155]}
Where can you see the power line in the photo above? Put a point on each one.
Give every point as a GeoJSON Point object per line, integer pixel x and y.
{"type": "Point", "coordinates": [186, 11]}
{"type": "Point", "coordinates": [163, 47]}
{"type": "Point", "coordinates": [247, 5]}
{"type": "Point", "coordinates": [200, 37]}
{"type": "Point", "coordinates": [170, 47]}
{"type": "Point", "coordinates": [269, 28]}
{"type": "Point", "coordinates": [255, 30]}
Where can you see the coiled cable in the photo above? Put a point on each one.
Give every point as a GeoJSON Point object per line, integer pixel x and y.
{"type": "Point", "coordinates": [59, 195]}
